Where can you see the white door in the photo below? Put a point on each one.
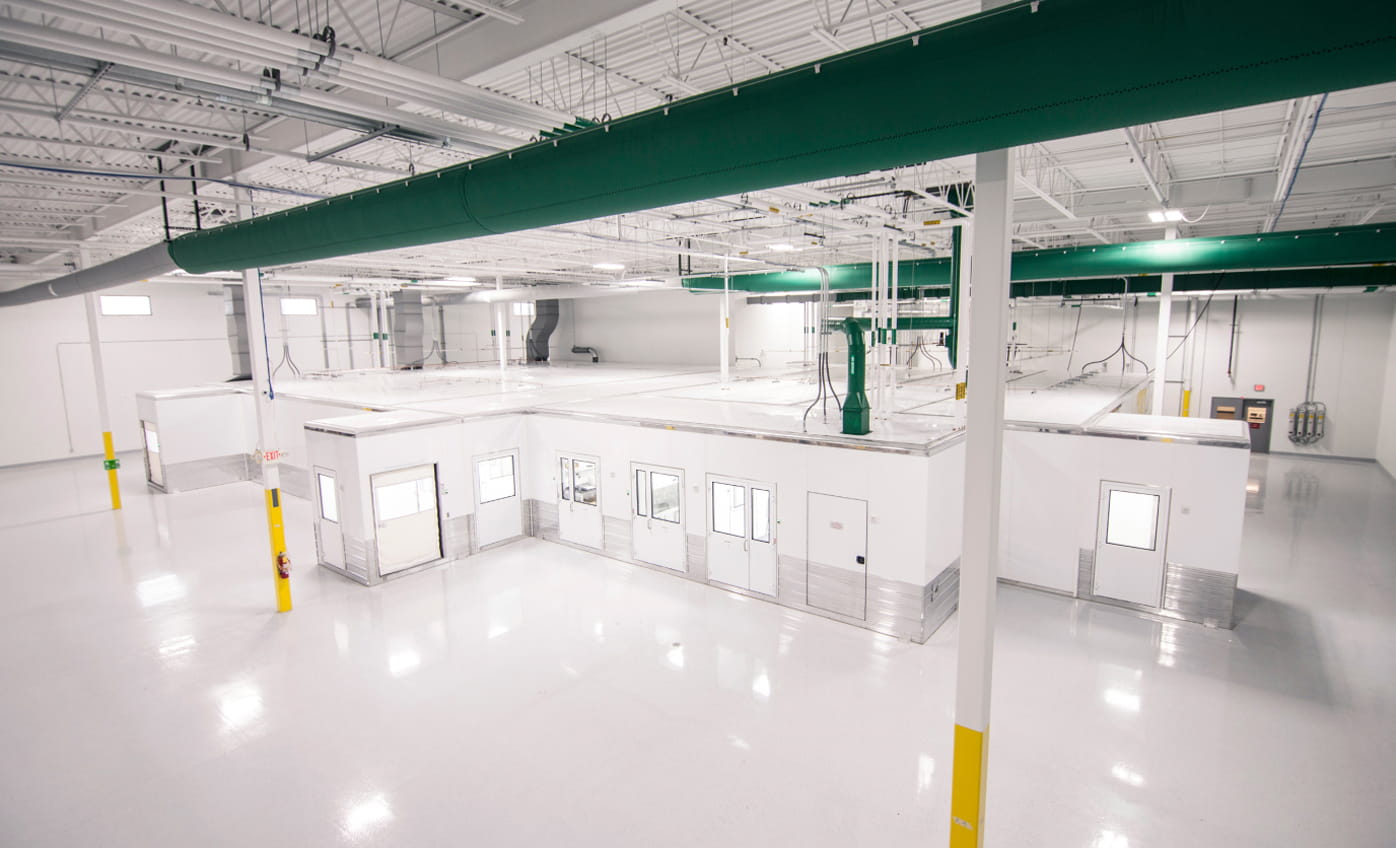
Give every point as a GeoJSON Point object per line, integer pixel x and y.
{"type": "Point", "coordinates": [579, 501]}
{"type": "Point", "coordinates": [837, 578]}
{"type": "Point", "coordinates": [329, 538]}
{"type": "Point", "coordinates": [656, 502]}
{"type": "Point", "coordinates": [741, 534]}
{"type": "Point", "coordinates": [154, 471]}
{"type": "Point", "coordinates": [498, 507]}
{"type": "Point", "coordinates": [1131, 536]}
{"type": "Point", "coordinates": [405, 516]}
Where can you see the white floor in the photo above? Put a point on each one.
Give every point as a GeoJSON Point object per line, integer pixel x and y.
{"type": "Point", "coordinates": [538, 695]}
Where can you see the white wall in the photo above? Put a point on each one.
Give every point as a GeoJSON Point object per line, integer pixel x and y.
{"type": "Point", "coordinates": [48, 379]}
{"type": "Point", "coordinates": [671, 327]}
{"type": "Point", "coordinates": [1386, 439]}
{"type": "Point", "coordinates": [1051, 491]}
{"type": "Point", "coordinates": [1272, 350]}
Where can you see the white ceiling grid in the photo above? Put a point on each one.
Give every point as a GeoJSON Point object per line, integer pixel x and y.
{"type": "Point", "coordinates": [194, 82]}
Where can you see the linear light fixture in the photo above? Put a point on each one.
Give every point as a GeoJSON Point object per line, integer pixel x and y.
{"type": "Point", "coordinates": [1165, 215]}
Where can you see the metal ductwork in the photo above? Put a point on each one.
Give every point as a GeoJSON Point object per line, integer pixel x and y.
{"type": "Point", "coordinates": [754, 135]}
{"type": "Point", "coordinates": [409, 329]}
{"type": "Point", "coordinates": [856, 409]}
{"type": "Point", "coordinates": [544, 322]}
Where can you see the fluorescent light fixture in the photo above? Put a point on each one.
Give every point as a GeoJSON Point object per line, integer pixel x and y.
{"type": "Point", "coordinates": [1164, 215]}
{"type": "Point", "coordinates": [783, 247]}
{"type": "Point", "coordinates": [459, 280]}
{"type": "Point", "coordinates": [609, 266]}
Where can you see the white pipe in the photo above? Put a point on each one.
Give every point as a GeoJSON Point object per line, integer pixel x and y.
{"type": "Point", "coordinates": [1165, 320]}
{"type": "Point", "coordinates": [499, 324]}
{"type": "Point", "coordinates": [724, 333]}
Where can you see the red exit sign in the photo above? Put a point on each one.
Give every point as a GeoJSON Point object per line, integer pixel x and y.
{"type": "Point", "coordinates": [1260, 387]}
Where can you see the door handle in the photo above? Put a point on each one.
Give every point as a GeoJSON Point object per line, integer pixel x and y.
{"type": "Point", "coordinates": [649, 523]}
{"type": "Point", "coordinates": [746, 545]}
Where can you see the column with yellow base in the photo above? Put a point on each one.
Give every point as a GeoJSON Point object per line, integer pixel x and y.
{"type": "Point", "coordinates": [94, 340]}
{"type": "Point", "coordinates": [988, 337]}
{"type": "Point", "coordinates": [265, 394]}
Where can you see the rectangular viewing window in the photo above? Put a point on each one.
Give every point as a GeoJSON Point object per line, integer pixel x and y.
{"type": "Point", "coordinates": [641, 491]}
{"type": "Point", "coordinates": [299, 306]}
{"type": "Point", "coordinates": [664, 499]}
{"type": "Point", "coordinates": [729, 510]}
{"type": "Point", "coordinates": [584, 482]}
{"type": "Point", "coordinates": [760, 515]}
{"type": "Point", "coordinates": [566, 478]}
{"type": "Point", "coordinates": [125, 304]}
{"type": "Point", "coordinates": [329, 504]}
{"type": "Point", "coordinates": [1132, 520]}
{"type": "Point", "coordinates": [496, 478]}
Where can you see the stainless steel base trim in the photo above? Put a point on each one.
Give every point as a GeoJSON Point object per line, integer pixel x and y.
{"type": "Point", "coordinates": [205, 473]}
{"type": "Point", "coordinates": [1191, 594]}
{"type": "Point", "coordinates": [458, 536]}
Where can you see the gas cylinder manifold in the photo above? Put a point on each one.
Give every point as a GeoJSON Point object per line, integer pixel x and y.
{"type": "Point", "coordinates": [1306, 422]}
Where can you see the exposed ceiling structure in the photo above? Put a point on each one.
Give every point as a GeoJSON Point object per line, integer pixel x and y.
{"type": "Point", "coordinates": [123, 122]}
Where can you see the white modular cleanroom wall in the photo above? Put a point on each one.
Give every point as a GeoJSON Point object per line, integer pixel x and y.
{"type": "Point", "coordinates": [198, 437]}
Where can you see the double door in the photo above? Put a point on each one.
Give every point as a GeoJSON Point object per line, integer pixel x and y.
{"type": "Point", "coordinates": [579, 500]}
{"type": "Point", "coordinates": [656, 522]}
{"type": "Point", "coordinates": [741, 534]}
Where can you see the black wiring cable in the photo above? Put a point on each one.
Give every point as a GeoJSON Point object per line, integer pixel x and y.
{"type": "Point", "coordinates": [1195, 322]}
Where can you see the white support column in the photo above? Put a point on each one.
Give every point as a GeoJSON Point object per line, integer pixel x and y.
{"type": "Point", "coordinates": [499, 340]}
{"type": "Point", "coordinates": [724, 332]}
{"type": "Point", "coordinates": [894, 250]}
{"type": "Point", "coordinates": [265, 395]}
{"type": "Point", "coordinates": [993, 213]}
{"type": "Point", "coordinates": [1165, 320]}
{"type": "Point", "coordinates": [99, 373]}
{"type": "Point", "coordinates": [373, 350]}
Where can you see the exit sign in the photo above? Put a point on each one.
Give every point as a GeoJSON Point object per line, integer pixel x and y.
{"type": "Point", "coordinates": [1260, 387]}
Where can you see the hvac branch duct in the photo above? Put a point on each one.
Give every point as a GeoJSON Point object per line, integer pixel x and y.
{"type": "Point", "coordinates": [752, 135]}
{"type": "Point", "coordinates": [544, 322]}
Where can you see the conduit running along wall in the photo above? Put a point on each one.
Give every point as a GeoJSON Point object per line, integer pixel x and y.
{"type": "Point", "coordinates": [753, 135]}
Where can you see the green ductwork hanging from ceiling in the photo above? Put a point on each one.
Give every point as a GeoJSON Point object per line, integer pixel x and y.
{"type": "Point", "coordinates": [1364, 245]}
{"type": "Point", "coordinates": [1022, 73]}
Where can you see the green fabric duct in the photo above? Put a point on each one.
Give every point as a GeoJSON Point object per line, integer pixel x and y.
{"type": "Point", "coordinates": [1363, 245]}
{"type": "Point", "coordinates": [1018, 74]}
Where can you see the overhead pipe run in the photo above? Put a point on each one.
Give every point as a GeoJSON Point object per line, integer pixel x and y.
{"type": "Point", "coordinates": [743, 138]}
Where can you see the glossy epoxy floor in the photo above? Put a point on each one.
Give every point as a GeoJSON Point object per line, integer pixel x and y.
{"type": "Point", "coordinates": [537, 695]}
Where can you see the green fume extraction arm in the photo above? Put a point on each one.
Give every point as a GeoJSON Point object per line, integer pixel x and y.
{"type": "Point", "coordinates": [855, 404]}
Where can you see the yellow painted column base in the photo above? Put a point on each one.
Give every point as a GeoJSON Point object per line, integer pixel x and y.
{"type": "Point", "coordinates": [277, 531]}
{"type": "Point", "coordinates": [1187, 402]}
{"type": "Point", "coordinates": [109, 454]}
{"type": "Point", "coordinates": [967, 788]}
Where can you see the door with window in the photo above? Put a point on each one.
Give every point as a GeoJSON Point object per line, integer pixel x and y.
{"type": "Point", "coordinates": [1131, 537]}
{"type": "Point", "coordinates": [406, 519]}
{"type": "Point", "coordinates": [579, 500]}
{"type": "Point", "coordinates": [154, 471]}
{"type": "Point", "coordinates": [329, 538]}
{"type": "Point", "coordinates": [656, 505]}
{"type": "Point", "coordinates": [741, 534]}
{"type": "Point", "coordinates": [498, 507]}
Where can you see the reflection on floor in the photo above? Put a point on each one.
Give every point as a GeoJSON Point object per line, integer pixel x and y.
{"type": "Point", "coordinates": [538, 695]}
